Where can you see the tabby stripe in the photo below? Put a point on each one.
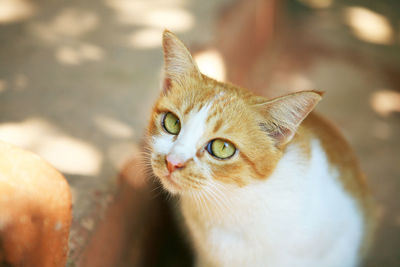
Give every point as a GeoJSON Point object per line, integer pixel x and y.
{"type": "Point", "coordinates": [252, 165]}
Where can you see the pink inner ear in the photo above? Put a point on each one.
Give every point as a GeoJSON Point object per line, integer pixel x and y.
{"type": "Point", "coordinates": [166, 84]}
{"type": "Point", "coordinates": [281, 134]}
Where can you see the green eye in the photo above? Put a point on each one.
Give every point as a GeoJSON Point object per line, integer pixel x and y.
{"type": "Point", "coordinates": [171, 123]}
{"type": "Point", "coordinates": [221, 149]}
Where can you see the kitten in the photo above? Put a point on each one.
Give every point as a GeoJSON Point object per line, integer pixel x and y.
{"type": "Point", "coordinates": [260, 182]}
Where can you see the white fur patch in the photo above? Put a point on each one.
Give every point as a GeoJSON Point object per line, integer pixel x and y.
{"type": "Point", "coordinates": [162, 144]}
{"type": "Point", "coordinates": [300, 216]}
{"type": "Point", "coordinates": [186, 144]}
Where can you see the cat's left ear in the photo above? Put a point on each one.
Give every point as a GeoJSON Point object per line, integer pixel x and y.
{"type": "Point", "coordinates": [178, 62]}
{"type": "Point", "coordinates": [283, 115]}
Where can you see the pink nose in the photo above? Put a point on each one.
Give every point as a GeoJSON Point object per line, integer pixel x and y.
{"type": "Point", "coordinates": [173, 164]}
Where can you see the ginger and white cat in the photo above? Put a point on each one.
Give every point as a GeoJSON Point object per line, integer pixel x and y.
{"type": "Point", "coordinates": [260, 182]}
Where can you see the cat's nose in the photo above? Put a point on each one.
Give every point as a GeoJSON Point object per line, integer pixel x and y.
{"type": "Point", "coordinates": [173, 164]}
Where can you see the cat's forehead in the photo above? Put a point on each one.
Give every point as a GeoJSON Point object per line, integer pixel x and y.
{"type": "Point", "coordinates": [218, 102]}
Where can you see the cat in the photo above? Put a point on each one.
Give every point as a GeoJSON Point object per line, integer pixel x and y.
{"type": "Point", "coordinates": [260, 182]}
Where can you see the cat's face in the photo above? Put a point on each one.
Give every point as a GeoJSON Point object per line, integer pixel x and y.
{"type": "Point", "coordinates": [203, 132]}
{"type": "Point", "coordinates": [210, 130]}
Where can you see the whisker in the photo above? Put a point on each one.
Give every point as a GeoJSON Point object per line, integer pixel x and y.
{"type": "Point", "coordinates": [205, 206]}
{"type": "Point", "coordinates": [215, 200]}
{"type": "Point", "coordinates": [157, 191]}
{"type": "Point", "coordinates": [196, 200]}
{"type": "Point", "coordinates": [220, 198]}
{"type": "Point", "coordinates": [192, 180]}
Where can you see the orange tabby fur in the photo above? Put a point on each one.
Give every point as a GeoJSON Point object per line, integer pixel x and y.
{"type": "Point", "coordinates": [261, 145]}
{"type": "Point", "coordinates": [341, 156]}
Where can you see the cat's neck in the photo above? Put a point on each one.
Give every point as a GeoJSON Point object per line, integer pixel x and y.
{"type": "Point", "coordinates": [299, 185]}
{"type": "Point", "coordinates": [291, 201]}
{"type": "Point", "coordinates": [316, 151]}
{"type": "Point", "coordinates": [210, 207]}
{"type": "Point", "coordinates": [229, 204]}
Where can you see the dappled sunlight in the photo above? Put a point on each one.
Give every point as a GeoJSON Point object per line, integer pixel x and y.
{"type": "Point", "coordinates": [317, 3]}
{"type": "Point", "coordinates": [292, 82]}
{"type": "Point", "coordinates": [68, 154]}
{"type": "Point", "coordinates": [211, 63]}
{"type": "Point", "coordinates": [91, 52]}
{"type": "Point", "coordinates": [368, 25]}
{"type": "Point", "coordinates": [113, 127]}
{"type": "Point", "coordinates": [174, 19]}
{"type": "Point", "coordinates": [153, 13]}
{"type": "Point", "coordinates": [67, 55]}
{"type": "Point", "coordinates": [69, 23]}
{"type": "Point", "coordinates": [75, 55]}
{"type": "Point", "coordinates": [3, 86]}
{"type": "Point", "coordinates": [21, 81]}
{"type": "Point", "coordinates": [385, 102]}
{"type": "Point", "coordinates": [66, 31]}
{"type": "Point", "coordinates": [146, 38]}
{"type": "Point", "coordinates": [300, 82]}
{"type": "Point", "coordinates": [15, 10]}
{"type": "Point", "coordinates": [24, 134]}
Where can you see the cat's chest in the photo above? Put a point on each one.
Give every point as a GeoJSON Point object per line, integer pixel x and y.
{"type": "Point", "coordinates": [250, 228]}
{"type": "Point", "coordinates": [301, 206]}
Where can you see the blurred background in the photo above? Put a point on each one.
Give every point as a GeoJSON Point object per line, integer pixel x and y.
{"type": "Point", "coordinates": [78, 79]}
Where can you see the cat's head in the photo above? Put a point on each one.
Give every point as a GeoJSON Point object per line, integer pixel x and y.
{"type": "Point", "coordinates": [203, 132]}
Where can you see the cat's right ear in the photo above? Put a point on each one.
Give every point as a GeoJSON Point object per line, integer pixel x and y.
{"type": "Point", "coordinates": [283, 115]}
{"type": "Point", "coordinates": [178, 62]}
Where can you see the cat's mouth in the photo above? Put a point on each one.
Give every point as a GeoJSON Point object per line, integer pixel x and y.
{"type": "Point", "coordinates": [169, 182]}
{"type": "Point", "coordinates": [169, 179]}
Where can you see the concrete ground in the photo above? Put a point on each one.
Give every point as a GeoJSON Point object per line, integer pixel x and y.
{"type": "Point", "coordinates": [77, 80]}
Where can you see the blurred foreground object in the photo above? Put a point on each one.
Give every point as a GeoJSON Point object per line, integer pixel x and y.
{"type": "Point", "coordinates": [35, 211]}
